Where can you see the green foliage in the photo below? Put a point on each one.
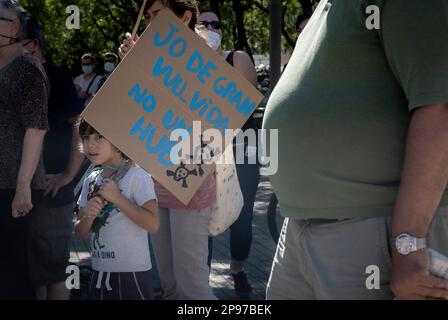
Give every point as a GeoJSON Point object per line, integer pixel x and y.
{"type": "Point", "coordinates": [104, 22]}
{"type": "Point", "coordinates": [102, 26]}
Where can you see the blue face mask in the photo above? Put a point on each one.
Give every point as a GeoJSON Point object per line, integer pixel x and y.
{"type": "Point", "coordinates": [109, 67]}
{"type": "Point", "coordinates": [87, 69]}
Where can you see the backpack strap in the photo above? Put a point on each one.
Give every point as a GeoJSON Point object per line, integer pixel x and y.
{"type": "Point", "coordinates": [90, 84]}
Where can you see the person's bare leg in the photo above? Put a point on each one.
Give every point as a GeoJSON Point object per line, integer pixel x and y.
{"type": "Point", "coordinates": [58, 291]}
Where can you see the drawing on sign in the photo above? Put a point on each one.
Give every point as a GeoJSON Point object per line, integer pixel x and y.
{"type": "Point", "coordinates": [201, 153]}
{"type": "Point", "coordinates": [181, 174]}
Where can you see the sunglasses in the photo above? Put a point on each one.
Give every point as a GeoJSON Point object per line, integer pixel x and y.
{"type": "Point", "coordinates": [215, 24]}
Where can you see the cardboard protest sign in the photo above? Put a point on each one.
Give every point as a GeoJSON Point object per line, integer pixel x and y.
{"type": "Point", "coordinates": [169, 79]}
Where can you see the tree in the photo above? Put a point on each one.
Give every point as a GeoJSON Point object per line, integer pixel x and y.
{"type": "Point", "coordinates": [102, 26]}
{"type": "Point", "coordinates": [104, 22]}
{"type": "Point", "coordinates": [275, 43]}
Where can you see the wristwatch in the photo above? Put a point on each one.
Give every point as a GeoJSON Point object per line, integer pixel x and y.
{"type": "Point", "coordinates": [405, 243]}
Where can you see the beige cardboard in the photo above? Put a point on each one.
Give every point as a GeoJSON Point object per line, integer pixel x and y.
{"type": "Point", "coordinates": [114, 112]}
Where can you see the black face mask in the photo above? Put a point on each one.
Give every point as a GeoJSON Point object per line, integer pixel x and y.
{"type": "Point", "coordinates": [10, 44]}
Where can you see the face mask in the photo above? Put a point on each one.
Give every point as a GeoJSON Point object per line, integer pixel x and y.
{"type": "Point", "coordinates": [213, 39]}
{"type": "Point", "coordinates": [9, 44]}
{"type": "Point", "coordinates": [87, 69]}
{"type": "Point", "coordinates": [109, 67]}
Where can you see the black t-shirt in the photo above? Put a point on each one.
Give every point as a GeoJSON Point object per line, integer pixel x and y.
{"type": "Point", "coordinates": [23, 105]}
{"type": "Point", "coordinates": [63, 104]}
{"type": "Point", "coordinates": [251, 123]}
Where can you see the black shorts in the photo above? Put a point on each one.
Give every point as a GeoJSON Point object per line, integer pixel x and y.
{"type": "Point", "coordinates": [121, 286]}
{"type": "Point", "coordinates": [50, 237]}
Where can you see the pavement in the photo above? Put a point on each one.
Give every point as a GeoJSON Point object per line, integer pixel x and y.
{"type": "Point", "coordinates": [258, 265]}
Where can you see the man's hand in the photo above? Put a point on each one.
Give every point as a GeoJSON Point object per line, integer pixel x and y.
{"type": "Point", "coordinates": [83, 95]}
{"type": "Point", "coordinates": [54, 182]}
{"type": "Point", "coordinates": [411, 278]}
{"type": "Point", "coordinates": [109, 191]}
{"type": "Point", "coordinates": [93, 207]}
{"type": "Point", "coordinates": [21, 204]}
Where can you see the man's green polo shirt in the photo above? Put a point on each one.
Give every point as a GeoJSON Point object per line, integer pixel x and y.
{"type": "Point", "coordinates": [344, 103]}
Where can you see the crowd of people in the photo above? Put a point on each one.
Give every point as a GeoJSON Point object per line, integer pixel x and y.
{"type": "Point", "coordinates": [361, 179]}
{"type": "Point", "coordinates": [179, 233]}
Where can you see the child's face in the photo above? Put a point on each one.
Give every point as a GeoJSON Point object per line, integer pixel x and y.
{"type": "Point", "coordinates": [99, 150]}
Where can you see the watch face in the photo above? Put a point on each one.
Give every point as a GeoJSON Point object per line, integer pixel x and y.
{"type": "Point", "coordinates": [404, 244]}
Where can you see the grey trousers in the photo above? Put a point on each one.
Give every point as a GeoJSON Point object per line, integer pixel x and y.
{"type": "Point", "coordinates": [329, 260]}
{"type": "Point", "coordinates": [181, 251]}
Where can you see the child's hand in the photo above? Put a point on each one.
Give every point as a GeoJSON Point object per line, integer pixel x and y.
{"type": "Point", "coordinates": [109, 191]}
{"type": "Point", "coordinates": [93, 207]}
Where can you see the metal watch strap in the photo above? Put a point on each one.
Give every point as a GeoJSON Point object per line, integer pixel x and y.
{"type": "Point", "coordinates": [421, 243]}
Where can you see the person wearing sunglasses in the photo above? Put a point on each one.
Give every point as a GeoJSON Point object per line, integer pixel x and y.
{"type": "Point", "coordinates": [238, 59]}
{"type": "Point", "coordinates": [24, 92]}
{"type": "Point", "coordinates": [248, 174]}
{"type": "Point", "coordinates": [215, 25]}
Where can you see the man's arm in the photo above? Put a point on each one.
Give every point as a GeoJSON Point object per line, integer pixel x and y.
{"type": "Point", "coordinates": [81, 95]}
{"type": "Point", "coordinates": [31, 151]}
{"type": "Point", "coordinates": [57, 181]}
{"type": "Point", "coordinates": [423, 181]}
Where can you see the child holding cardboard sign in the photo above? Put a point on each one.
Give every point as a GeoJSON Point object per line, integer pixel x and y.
{"type": "Point", "coordinates": [118, 207]}
{"type": "Point", "coordinates": [181, 244]}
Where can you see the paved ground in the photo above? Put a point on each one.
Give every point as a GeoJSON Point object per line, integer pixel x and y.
{"type": "Point", "coordinates": [258, 265]}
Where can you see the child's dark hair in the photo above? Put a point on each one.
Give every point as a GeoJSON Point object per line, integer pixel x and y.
{"type": "Point", "coordinates": [179, 7]}
{"type": "Point", "coordinates": [86, 129]}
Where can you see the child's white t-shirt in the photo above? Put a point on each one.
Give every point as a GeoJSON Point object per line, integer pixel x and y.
{"type": "Point", "coordinates": [117, 243]}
